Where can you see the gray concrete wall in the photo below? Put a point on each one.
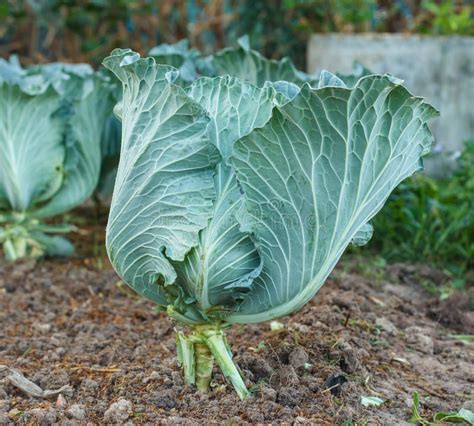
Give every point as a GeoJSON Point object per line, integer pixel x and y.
{"type": "Point", "coordinates": [440, 69]}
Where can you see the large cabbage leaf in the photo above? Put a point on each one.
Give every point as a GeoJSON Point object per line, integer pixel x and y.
{"type": "Point", "coordinates": [249, 65]}
{"type": "Point", "coordinates": [85, 119]}
{"type": "Point", "coordinates": [314, 175]}
{"type": "Point", "coordinates": [222, 267]}
{"type": "Point", "coordinates": [31, 146]}
{"type": "Point", "coordinates": [164, 188]}
{"type": "Point", "coordinates": [71, 81]}
{"type": "Point", "coordinates": [179, 56]}
{"type": "Point", "coordinates": [51, 127]}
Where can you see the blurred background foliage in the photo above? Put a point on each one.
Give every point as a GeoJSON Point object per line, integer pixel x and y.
{"type": "Point", "coordinates": [431, 220]}
{"type": "Point", "coordinates": [86, 31]}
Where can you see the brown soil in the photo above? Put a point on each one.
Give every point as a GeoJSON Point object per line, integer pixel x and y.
{"type": "Point", "coordinates": [72, 322]}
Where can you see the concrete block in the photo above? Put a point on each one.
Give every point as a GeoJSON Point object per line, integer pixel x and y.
{"type": "Point", "coordinates": [440, 69]}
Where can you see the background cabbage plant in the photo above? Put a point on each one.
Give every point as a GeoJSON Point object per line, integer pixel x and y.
{"type": "Point", "coordinates": [236, 197]}
{"type": "Point", "coordinates": [51, 124]}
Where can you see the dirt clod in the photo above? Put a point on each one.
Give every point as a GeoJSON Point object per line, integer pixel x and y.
{"type": "Point", "coordinates": [44, 417]}
{"type": "Point", "coordinates": [118, 412]}
{"type": "Point", "coordinates": [285, 376]}
{"type": "Point", "coordinates": [89, 384]}
{"type": "Point", "coordinates": [4, 405]}
{"type": "Point", "coordinates": [163, 399]}
{"type": "Point", "coordinates": [298, 358]}
{"type": "Point", "coordinates": [77, 411]}
{"type": "Point", "coordinates": [349, 360]}
{"type": "Point", "coordinates": [5, 420]}
{"type": "Point", "coordinates": [257, 365]}
{"type": "Point", "coordinates": [268, 394]}
{"type": "Point", "coordinates": [419, 339]}
{"type": "Point", "coordinates": [386, 325]}
{"type": "Point", "coordinates": [289, 396]}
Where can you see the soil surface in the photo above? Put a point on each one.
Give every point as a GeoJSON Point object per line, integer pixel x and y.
{"type": "Point", "coordinates": [368, 332]}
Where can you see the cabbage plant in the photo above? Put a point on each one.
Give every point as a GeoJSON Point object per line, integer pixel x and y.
{"type": "Point", "coordinates": [240, 61]}
{"type": "Point", "coordinates": [51, 120]}
{"type": "Point", "coordinates": [233, 202]}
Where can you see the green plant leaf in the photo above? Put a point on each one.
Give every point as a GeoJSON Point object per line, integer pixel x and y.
{"type": "Point", "coordinates": [462, 415]}
{"type": "Point", "coordinates": [328, 79]}
{"type": "Point", "coordinates": [319, 170]}
{"type": "Point", "coordinates": [164, 188]}
{"type": "Point", "coordinates": [180, 56]}
{"type": "Point", "coordinates": [416, 416]}
{"type": "Point", "coordinates": [249, 65]}
{"type": "Point", "coordinates": [83, 150]}
{"type": "Point", "coordinates": [31, 146]}
{"type": "Point", "coordinates": [363, 235]}
{"type": "Point", "coordinates": [54, 245]}
{"type": "Point", "coordinates": [367, 401]}
{"type": "Point", "coordinates": [221, 268]}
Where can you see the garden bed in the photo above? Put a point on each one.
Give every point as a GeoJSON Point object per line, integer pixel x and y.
{"type": "Point", "coordinates": [369, 332]}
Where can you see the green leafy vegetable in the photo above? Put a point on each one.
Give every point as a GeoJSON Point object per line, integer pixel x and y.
{"type": "Point", "coordinates": [51, 120]}
{"type": "Point", "coordinates": [241, 61]}
{"type": "Point", "coordinates": [180, 56]}
{"type": "Point", "coordinates": [234, 201]}
{"type": "Point", "coordinates": [164, 187]}
{"type": "Point", "coordinates": [249, 65]}
{"type": "Point", "coordinates": [314, 175]}
{"type": "Point", "coordinates": [220, 269]}
{"type": "Point", "coordinates": [461, 416]}
{"type": "Point", "coordinates": [367, 401]}
{"type": "Point", "coordinates": [415, 415]}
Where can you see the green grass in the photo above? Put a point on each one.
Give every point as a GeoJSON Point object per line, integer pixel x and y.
{"type": "Point", "coordinates": [431, 221]}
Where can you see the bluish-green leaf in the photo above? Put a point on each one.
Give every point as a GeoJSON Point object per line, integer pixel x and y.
{"type": "Point", "coordinates": [363, 235]}
{"type": "Point", "coordinates": [221, 268]}
{"type": "Point", "coordinates": [249, 65]}
{"type": "Point", "coordinates": [367, 401]}
{"type": "Point", "coordinates": [82, 150]}
{"type": "Point", "coordinates": [463, 415]}
{"type": "Point", "coordinates": [164, 188]}
{"type": "Point", "coordinates": [319, 170]}
{"type": "Point", "coordinates": [328, 79]}
{"type": "Point", "coordinates": [31, 146]}
{"type": "Point", "coordinates": [180, 56]}
{"type": "Point", "coordinates": [53, 245]}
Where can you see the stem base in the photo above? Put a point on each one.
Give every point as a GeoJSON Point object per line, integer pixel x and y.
{"type": "Point", "coordinates": [197, 352]}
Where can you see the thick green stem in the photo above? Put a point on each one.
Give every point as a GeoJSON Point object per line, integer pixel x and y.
{"type": "Point", "coordinates": [9, 251]}
{"type": "Point", "coordinates": [197, 352]}
{"type": "Point", "coordinates": [15, 248]}
{"type": "Point", "coordinates": [204, 364]}
{"type": "Point", "coordinates": [185, 352]}
{"type": "Point", "coordinates": [220, 349]}
{"type": "Point", "coordinates": [23, 237]}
